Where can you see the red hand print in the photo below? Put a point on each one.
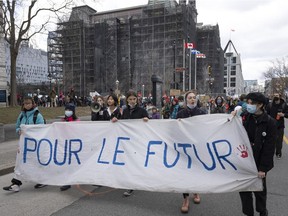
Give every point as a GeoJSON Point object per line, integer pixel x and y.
{"type": "Point", "coordinates": [243, 149]}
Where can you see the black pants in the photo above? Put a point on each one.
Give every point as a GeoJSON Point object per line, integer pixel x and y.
{"type": "Point", "coordinates": [247, 200]}
{"type": "Point", "coordinates": [279, 141]}
{"type": "Point", "coordinates": [185, 195]}
{"type": "Point", "coordinates": [16, 181]}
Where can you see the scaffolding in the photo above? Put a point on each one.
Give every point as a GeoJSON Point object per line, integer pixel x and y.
{"type": "Point", "coordinates": [129, 45]}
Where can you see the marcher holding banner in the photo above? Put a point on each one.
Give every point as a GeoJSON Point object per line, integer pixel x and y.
{"type": "Point", "coordinates": [191, 110]}
{"type": "Point", "coordinates": [70, 115]}
{"type": "Point", "coordinates": [112, 111]}
{"type": "Point", "coordinates": [29, 115]}
{"type": "Point", "coordinates": [261, 130]}
{"type": "Point", "coordinates": [133, 111]}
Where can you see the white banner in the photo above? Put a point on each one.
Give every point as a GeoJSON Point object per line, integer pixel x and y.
{"type": "Point", "coordinates": [204, 154]}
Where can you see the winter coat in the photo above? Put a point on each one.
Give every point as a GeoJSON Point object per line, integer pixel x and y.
{"type": "Point", "coordinates": [261, 131]}
{"type": "Point", "coordinates": [272, 110]}
{"type": "Point", "coordinates": [98, 116]}
{"type": "Point", "coordinates": [26, 117]}
{"type": "Point", "coordinates": [187, 112]}
{"type": "Point", "coordinates": [135, 113]}
{"type": "Point", "coordinates": [116, 113]}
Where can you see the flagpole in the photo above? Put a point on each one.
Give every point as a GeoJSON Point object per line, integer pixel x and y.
{"type": "Point", "coordinates": [190, 76]}
{"type": "Point", "coordinates": [195, 87]}
{"type": "Point", "coordinates": [184, 55]}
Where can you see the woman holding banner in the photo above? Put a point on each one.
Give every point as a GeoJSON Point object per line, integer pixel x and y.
{"type": "Point", "coordinates": [133, 111]}
{"type": "Point", "coordinates": [191, 109]}
{"type": "Point", "coordinates": [112, 110]}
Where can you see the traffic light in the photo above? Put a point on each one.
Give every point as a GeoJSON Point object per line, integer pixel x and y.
{"type": "Point", "coordinates": [209, 70]}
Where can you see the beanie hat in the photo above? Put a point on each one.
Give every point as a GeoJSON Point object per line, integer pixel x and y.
{"type": "Point", "coordinates": [257, 97]}
{"type": "Point", "coordinates": [70, 106]}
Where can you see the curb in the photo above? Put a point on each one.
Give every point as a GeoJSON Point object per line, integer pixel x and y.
{"type": "Point", "coordinates": [7, 170]}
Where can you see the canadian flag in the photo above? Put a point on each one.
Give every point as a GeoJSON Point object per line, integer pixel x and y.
{"type": "Point", "coordinates": [189, 45]}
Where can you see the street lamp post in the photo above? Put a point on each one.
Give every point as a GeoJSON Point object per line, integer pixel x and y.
{"type": "Point", "coordinates": [143, 87]}
{"type": "Point", "coordinates": [50, 79]}
{"type": "Point", "coordinates": [117, 89]}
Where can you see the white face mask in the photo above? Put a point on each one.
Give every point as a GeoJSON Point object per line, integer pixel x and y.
{"type": "Point", "coordinates": [191, 106]}
{"type": "Point", "coordinates": [68, 113]}
{"type": "Point", "coordinates": [181, 104]}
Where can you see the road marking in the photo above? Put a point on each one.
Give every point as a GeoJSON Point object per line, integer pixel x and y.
{"type": "Point", "coordinates": [285, 139]}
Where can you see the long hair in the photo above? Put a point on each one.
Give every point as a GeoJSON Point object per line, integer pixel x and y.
{"type": "Point", "coordinates": [130, 93]}
{"type": "Point", "coordinates": [114, 97]}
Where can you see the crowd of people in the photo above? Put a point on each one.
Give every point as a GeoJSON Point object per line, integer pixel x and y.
{"type": "Point", "coordinates": [262, 118]}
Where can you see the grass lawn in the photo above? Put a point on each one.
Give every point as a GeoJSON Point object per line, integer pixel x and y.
{"type": "Point", "coordinates": [8, 115]}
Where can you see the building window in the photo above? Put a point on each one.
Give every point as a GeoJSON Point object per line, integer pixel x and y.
{"type": "Point", "coordinates": [234, 60]}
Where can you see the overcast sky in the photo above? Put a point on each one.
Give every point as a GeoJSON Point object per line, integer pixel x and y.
{"type": "Point", "coordinates": [261, 27]}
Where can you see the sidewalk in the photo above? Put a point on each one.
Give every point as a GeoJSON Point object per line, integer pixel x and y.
{"type": "Point", "coordinates": [8, 148]}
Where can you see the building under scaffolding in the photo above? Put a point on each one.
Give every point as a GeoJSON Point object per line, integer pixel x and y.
{"type": "Point", "coordinates": [208, 42]}
{"type": "Point", "coordinates": [128, 45]}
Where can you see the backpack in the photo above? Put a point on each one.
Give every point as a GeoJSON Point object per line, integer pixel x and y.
{"type": "Point", "coordinates": [34, 117]}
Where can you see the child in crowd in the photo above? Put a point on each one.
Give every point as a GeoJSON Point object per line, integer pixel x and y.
{"type": "Point", "coordinates": [29, 115]}
{"type": "Point", "coordinates": [70, 115]}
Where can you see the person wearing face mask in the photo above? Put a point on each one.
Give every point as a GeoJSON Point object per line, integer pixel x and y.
{"type": "Point", "coordinates": [278, 110]}
{"type": "Point", "coordinates": [191, 109]}
{"type": "Point", "coordinates": [218, 106]}
{"type": "Point", "coordinates": [181, 103]}
{"type": "Point", "coordinates": [70, 116]}
{"type": "Point", "coordinates": [133, 111]}
{"type": "Point", "coordinates": [261, 130]}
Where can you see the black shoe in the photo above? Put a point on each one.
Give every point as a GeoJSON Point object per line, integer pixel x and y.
{"type": "Point", "coordinates": [65, 187]}
{"type": "Point", "coordinates": [128, 193]}
{"type": "Point", "coordinates": [37, 186]}
{"type": "Point", "coordinates": [12, 187]}
{"type": "Point", "coordinates": [265, 213]}
{"type": "Point", "coordinates": [278, 156]}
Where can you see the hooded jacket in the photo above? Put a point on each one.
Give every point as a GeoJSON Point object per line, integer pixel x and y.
{"type": "Point", "coordinates": [26, 117]}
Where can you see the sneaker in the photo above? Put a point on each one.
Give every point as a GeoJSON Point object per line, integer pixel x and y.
{"type": "Point", "coordinates": [128, 193]}
{"type": "Point", "coordinates": [65, 187]}
{"type": "Point", "coordinates": [12, 187]}
{"type": "Point", "coordinates": [278, 156]}
{"type": "Point", "coordinates": [37, 186]}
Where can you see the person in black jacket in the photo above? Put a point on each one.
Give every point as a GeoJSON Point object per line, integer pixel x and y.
{"type": "Point", "coordinates": [112, 110]}
{"type": "Point", "coordinates": [261, 130]}
{"type": "Point", "coordinates": [278, 109]}
{"type": "Point", "coordinates": [98, 116]}
{"type": "Point", "coordinates": [133, 111]}
{"type": "Point", "coordinates": [191, 109]}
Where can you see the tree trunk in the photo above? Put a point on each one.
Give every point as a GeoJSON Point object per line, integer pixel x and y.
{"type": "Point", "coordinates": [13, 84]}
